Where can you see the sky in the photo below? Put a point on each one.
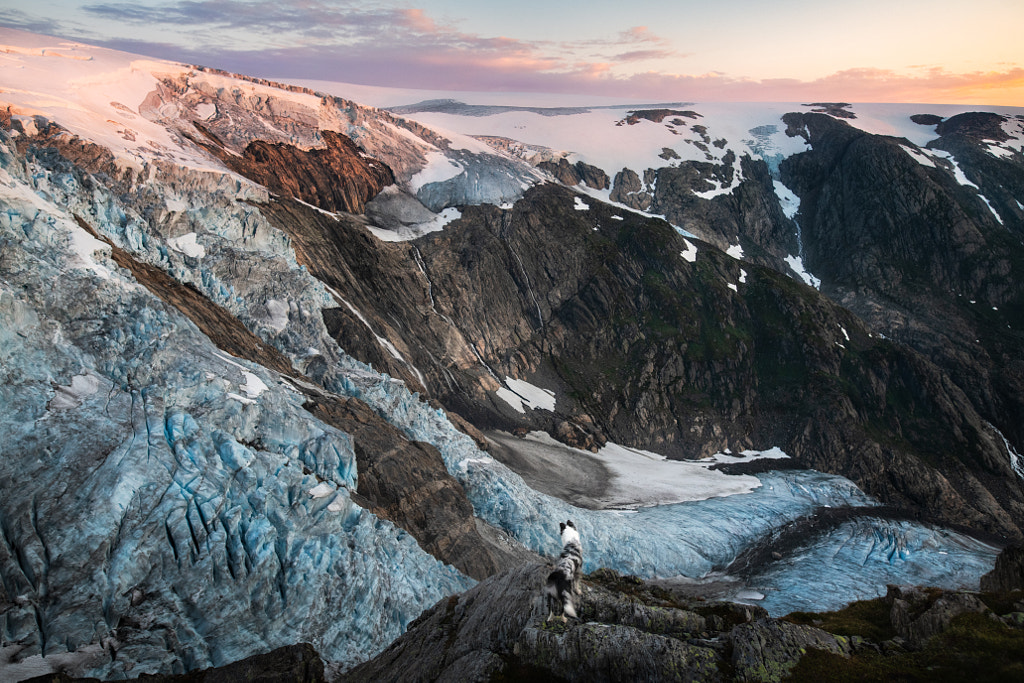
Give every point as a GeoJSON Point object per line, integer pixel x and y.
{"type": "Point", "coordinates": [928, 51]}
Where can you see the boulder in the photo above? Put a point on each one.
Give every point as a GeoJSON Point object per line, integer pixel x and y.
{"type": "Point", "coordinates": [768, 650]}
{"type": "Point", "coordinates": [1008, 574]}
{"type": "Point", "coordinates": [919, 614]}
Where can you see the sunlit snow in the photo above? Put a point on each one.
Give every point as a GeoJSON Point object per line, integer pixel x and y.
{"type": "Point", "coordinates": [187, 245]}
{"type": "Point", "coordinates": [439, 168]}
{"type": "Point", "coordinates": [520, 394]}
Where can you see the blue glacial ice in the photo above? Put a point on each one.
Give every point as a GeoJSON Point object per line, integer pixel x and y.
{"type": "Point", "coordinates": [161, 499]}
{"type": "Point", "coordinates": [856, 561]}
{"type": "Point", "coordinates": [694, 539]}
{"type": "Point", "coordinates": [212, 517]}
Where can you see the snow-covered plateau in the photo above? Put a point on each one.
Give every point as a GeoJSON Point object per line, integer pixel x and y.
{"type": "Point", "coordinates": [166, 506]}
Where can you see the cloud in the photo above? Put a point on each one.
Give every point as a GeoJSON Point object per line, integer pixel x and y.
{"type": "Point", "coordinates": [13, 18]}
{"type": "Point", "coordinates": [643, 55]}
{"type": "Point", "coordinates": [374, 44]}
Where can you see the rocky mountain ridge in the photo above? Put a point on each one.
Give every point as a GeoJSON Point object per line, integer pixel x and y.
{"type": "Point", "coordinates": [237, 392]}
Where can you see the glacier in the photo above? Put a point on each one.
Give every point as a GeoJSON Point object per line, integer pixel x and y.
{"type": "Point", "coordinates": [695, 538]}
{"type": "Point", "coordinates": [180, 508]}
{"type": "Point", "coordinates": [862, 557]}
{"type": "Point", "coordinates": [158, 496]}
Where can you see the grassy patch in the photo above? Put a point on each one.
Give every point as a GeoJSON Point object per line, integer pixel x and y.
{"type": "Point", "coordinates": [1003, 603]}
{"type": "Point", "coordinates": [974, 648]}
{"type": "Point", "coordinates": [866, 618]}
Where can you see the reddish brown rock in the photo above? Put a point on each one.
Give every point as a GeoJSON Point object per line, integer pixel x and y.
{"type": "Point", "coordinates": [337, 177]}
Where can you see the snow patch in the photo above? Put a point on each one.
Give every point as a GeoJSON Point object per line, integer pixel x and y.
{"type": "Point", "coordinates": [520, 394]}
{"type": "Point", "coordinates": [68, 397]}
{"type": "Point", "coordinates": [187, 245]}
{"type": "Point", "coordinates": [796, 264]}
{"type": "Point", "coordinates": [253, 386]}
{"type": "Point", "coordinates": [580, 205]}
{"type": "Point", "coordinates": [439, 168]}
{"type": "Point", "coordinates": [748, 595]}
{"type": "Point", "coordinates": [1016, 459]}
{"type": "Point", "coordinates": [206, 110]}
{"type": "Point", "coordinates": [918, 156]}
{"type": "Point", "coordinates": [410, 232]}
{"type": "Point", "coordinates": [83, 246]}
{"type": "Point", "coordinates": [321, 490]}
{"type": "Point", "coordinates": [991, 208]}
{"type": "Point", "coordinates": [788, 200]}
{"type": "Point", "coordinates": [691, 251]}
{"type": "Point", "coordinates": [736, 251]}
{"type": "Point", "coordinates": [642, 479]}
{"type": "Point", "coordinates": [957, 171]}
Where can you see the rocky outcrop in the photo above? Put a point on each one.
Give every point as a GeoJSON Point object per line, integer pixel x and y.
{"type": "Point", "coordinates": [575, 174]}
{"type": "Point", "coordinates": [337, 177]}
{"type": "Point", "coordinates": [749, 215]}
{"type": "Point", "coordinates": [498, 627]}
{"type": "Point", "coordinates": [609, 652]}
{"type": "Point", "coordinates": [627, 189]}
{"type": "Point", "coordinates": [1008, 574]}
{"type": "Point", "coordinates": [837, 109]}
{"type": "Point", "coordinates": [288, 664]}
{"type": "Point", "coordinates": [766, 651]}
{"type": "Point", "coordinates": [917, 614]}
{"type": "Point", "coordinates": [406, 482]}
{"type": "Point", "coordinates": [628, 630]}
{"type": "Point", "coordinates": [657, 115]}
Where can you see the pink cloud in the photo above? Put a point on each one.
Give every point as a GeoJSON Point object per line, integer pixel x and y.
{"type": "Point", "coordinates": [642, 55]}
{"type": "Point", "coordinates": [369, 44]}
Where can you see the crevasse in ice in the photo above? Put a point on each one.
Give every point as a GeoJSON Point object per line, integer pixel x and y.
{"type": "Point", "coordinates": [158, 497]}
{"type": "Point", "coordinates": [164, 507]}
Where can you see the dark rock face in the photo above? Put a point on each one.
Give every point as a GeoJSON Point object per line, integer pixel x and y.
{"type": "Point", "coordinates": [1008, 574]}
{"type": "Point", "coordinates": [918, 614]}
{"type": "Point", "coordinates": [338, 177]}
{"type": "Point", "coordinates": [644, 348]}
{"type": "Point", "coordinates": [750, 215]}
{"type": "Point", "coordinates": [289, 664]}
{"type": "Point", "coordinates": [924, 259]}
{"type": "Point", "coordinates": [574, 174]}
{"type": "Point", "coordinates": [767, 650]}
